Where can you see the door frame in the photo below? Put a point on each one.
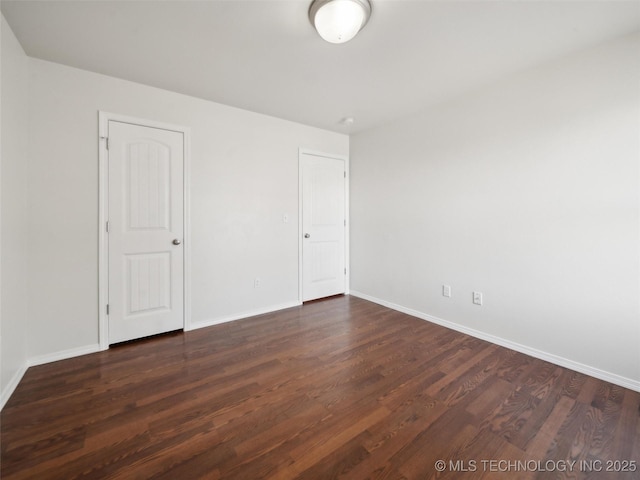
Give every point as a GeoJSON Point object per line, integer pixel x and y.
{"type": "Point", "coordinates": [345, 158]}
{"type": "Point", "coordinates": [103, 214]}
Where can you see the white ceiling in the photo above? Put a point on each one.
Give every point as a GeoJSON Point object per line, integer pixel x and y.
{"type": "Point", "coordinates": [264, 55]}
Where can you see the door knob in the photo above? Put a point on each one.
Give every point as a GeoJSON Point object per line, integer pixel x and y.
{"type": "Point", "coordinates": [176, 242]}
{"type": "Point", "coordinates": [306, 235]}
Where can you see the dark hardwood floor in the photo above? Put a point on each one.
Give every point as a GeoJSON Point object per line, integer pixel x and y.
{"type": "Point", "coordinates": [340, 388]}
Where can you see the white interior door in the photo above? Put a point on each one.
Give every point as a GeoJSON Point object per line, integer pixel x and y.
{"type": "Point", "coordinates": [146, 230]}
{"type": "Point", "coordinates": [323, 185]}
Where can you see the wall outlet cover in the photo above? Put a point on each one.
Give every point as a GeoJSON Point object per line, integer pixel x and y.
{"type": "Point", "coordinates": [477, 298]}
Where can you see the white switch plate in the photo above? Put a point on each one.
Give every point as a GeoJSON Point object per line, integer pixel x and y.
{"type": "Point", "coordinates": [285, 218]}
{"type": "Point", "coordinates": [446, 290]}
{"type": "Point", "coordinates": [477, 298]}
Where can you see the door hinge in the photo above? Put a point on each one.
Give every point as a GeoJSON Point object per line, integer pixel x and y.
{"type": "Point", "coordinates": [107, 226]}
{"type": "Point", "coordinates": [345, 271]}
{"type": "Point", "coordinates": [106, 142]}
{"type": "Point", "coordinates": [345, 223]}
{"type": "Point", "coordinates": [107, 309]}
{"type": "Point", "coordinates": [345, 174]}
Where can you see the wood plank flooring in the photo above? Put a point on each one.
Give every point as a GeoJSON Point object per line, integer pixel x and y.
{"type": "Point", "coordinates": [339, 388]}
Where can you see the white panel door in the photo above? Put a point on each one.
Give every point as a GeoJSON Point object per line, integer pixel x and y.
{"type": "Point", "coordinates": [146, 229]}
{"type": "Point", "coordinates": [323, 226]}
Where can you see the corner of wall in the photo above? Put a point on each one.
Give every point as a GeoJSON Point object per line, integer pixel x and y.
{"type": "Point", "coordinates": [13, 212]}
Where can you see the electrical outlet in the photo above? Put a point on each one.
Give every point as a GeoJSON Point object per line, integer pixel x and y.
{"type": "Point", "coordinates": [446, 290]}
{"type": "Point", "coordinates": [477, 298]}
{"type": "Point", "coordinates": [256, 282]}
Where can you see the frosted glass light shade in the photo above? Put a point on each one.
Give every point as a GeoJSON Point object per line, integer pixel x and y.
{"type": "Point", "coordinates": [338, 21]}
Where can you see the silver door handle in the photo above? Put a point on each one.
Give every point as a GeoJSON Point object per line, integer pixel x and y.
{"type": "Point", "coordinates": [176, 242]}
{"type": "Point", "coordinates": [306, 235]}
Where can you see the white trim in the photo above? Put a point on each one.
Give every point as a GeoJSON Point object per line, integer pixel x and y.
{"type": "Point", "coordinates": [64, 354]}
{"type": "Point", "coordinates": [103, 244]}
{"type": "Point", "coordinates": [347, 236]}
{"type": "Point", "coordinates": [533, 352]}
{"type": "Point", "coordinates": [103, 215]}
{"type": "Point", "coordinates": [345, 159]}
{"type": "Point", "coordinates": [243, 316]}
{"type": "Point", "coordinates": [41, 360]}
{"type": "Point", "coordinates": [187, 227]}
{"type": "Point", "coordinates": [11, 386]}
{"type": "Point", "coordinates": [300, 232]}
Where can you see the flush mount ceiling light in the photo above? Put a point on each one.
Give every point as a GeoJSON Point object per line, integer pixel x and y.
{"type": "Point", "coordinates": [338, 21]}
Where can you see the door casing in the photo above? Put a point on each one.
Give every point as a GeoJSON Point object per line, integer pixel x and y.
{"type": "Point", "coordinates": [103, 215]}
{"type": "Point", "coordinates": [345, 159]}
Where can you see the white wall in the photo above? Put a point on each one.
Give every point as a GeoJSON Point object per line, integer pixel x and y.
{"type": "Point", "coordinates": [13, 214]}
{"type": "Point", "coordinates": [244, 177]}
{"type": "Point", "coordinates": [528, 191]}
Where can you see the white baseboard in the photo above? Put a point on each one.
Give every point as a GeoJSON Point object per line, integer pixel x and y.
{"type": "Point", "coordinates": [76, 352]}
{"type": "Point", "coordinates": [555, 359]}
{"type": "Point", "coordinates": [11, 386]}
{"type": "Point", "coordinates": [63, 355]}
{"type": "Point", "coordinates": [41, 360]}
{"type": "Point", "coordinates": [241, 316]}
{"type": "Point", "coordinates": [549, 357]}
